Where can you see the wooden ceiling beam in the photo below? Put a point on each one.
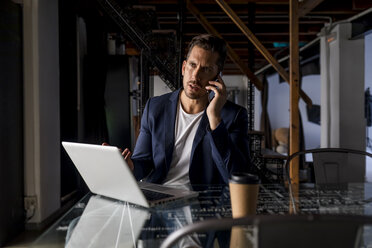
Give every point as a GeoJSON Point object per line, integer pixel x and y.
{"type": "Point", "coordinates": [362, 4]}
{"type": "Point", "coordinates": [174, 21]}
{"type": "Point", "coordinates": [306, 6]}
{"type": "Point", "coordinates": [334, 12]}
{"type": "Point", "coordinates": [265, 36]}
{"type": "Point", "coordinates": [315, 7]}
{"type": "Point", "coordinates": [261, 2]}
{"type": "Point", "coordinates": [282, 72]}
{"type": "Point", "coordinates": [231, 53]}
{"type": "Point", "coordinates": [274, 35]}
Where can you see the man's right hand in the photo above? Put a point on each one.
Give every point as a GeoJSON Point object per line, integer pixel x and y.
{"type": "Point", "coordinates": [126, 154]}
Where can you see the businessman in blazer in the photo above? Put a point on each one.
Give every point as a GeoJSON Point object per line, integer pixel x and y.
{"type": "Point", "coordinates": [186, 138]}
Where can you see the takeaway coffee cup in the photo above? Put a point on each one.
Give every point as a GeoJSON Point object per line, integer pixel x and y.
{"type": "Point", "coordinates": [243, 194]}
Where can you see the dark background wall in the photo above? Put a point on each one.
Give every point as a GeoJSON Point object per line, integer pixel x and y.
{"type": "Point", "coordinates": [68, 93]}
{"type": "Point", "coordinates": [11, 121]}
{"type": "Point", "coordinates": [117, 107]}
{"type": "Point", "coordinates": [102, 112]}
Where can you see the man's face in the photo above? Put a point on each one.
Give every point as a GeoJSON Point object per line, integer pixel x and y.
{"type": "Point", "coordinates": [200, 68]}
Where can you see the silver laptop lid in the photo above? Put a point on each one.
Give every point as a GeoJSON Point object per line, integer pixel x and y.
{"type": "Point", "coordinates": [105, 172]}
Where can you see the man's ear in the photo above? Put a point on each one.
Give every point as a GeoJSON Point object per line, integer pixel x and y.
{"type": "Point", "coordinates": [183, 67]}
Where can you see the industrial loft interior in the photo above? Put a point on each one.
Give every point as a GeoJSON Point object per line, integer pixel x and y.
{"type": "Point", "coordinates": [83, 70]}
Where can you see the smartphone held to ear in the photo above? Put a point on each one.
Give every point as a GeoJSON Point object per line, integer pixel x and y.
{"type": "Point", "coordinates": [210, 95]}
{"type": "Point", "coordinates": [211, 92]}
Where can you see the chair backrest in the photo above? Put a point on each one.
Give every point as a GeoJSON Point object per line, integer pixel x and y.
{"type": "Point", "coordinates": [336, 165]}
{"type": "Point", "coordinates": [281, 231]}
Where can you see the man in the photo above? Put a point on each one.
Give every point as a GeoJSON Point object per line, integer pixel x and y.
{"type": "Point", "coordinates": [185, 137]}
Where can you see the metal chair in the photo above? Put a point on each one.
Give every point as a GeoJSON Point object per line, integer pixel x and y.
{"type": "Point", "coordinates": [283, 231]}
{"type": "Point", "coordinates": [336, 165]}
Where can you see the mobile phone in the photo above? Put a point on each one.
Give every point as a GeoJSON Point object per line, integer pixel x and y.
{"type": "Point", "coordinates": [211, 92]}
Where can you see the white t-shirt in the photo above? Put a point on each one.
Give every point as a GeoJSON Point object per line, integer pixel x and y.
{"type": "Point", "coordinates": [185, 129]}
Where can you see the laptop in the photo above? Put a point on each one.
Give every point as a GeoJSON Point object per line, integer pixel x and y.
{"type": "Point", "coordinates": [106, 173]}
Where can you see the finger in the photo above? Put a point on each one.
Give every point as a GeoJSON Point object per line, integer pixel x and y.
{"type": "Point", "coordinates": [129, 154]}
{"type": "Point", "coordinates": [217, 91]}
{"type": "Point", "coordinates": [217, 85]}
{"type": "Point", "coordinates": [126, 153]}
{"type": "Point", "coordinates": [212, 88]}
{"type": "Point", "coordinates": [221, 85]}
{"type": "Point", "coordinates": [105, 144]}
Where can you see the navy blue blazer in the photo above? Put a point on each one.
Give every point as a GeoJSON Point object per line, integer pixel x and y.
{"type": "Point", "coordinates": [214, 155]}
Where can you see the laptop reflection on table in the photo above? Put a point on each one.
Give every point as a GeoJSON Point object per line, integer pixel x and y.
{"type": "Point", "coordinates": [107, 223]}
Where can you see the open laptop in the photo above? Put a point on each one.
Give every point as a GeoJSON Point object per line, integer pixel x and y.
{"type": "Point", "coordinates": [106, 173]}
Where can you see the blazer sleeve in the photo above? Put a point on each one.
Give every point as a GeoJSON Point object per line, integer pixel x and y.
{"type": "Point", "coordinates": [230, 146]}
{"type": "Point", "coordinates": [142, 154]}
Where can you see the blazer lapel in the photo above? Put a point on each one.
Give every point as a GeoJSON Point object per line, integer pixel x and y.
{"type": "Point", "coordinates": [169, 122]}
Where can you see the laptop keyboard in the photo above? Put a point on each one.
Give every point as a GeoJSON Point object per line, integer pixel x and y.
{"type": "Point", "coordinates": [154, 196]}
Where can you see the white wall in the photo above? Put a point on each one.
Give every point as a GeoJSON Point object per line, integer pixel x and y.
{"type": "Point", "coordinates": [278, 102]}
{"type": "Point", "coordinates": [41, 106]}
{"type": "Point", "coordinates": [310, 85]}
{"type": "Point", "coordinates": [278, 106]}
{"type": "Point", "coordinates": [342, 77]}
{"type": "Point", "coordinates": [368, 68]}
{"type": "Point", "coordinates": [368, 83]}
{"type": "Point", "coordinates": [368, 60]}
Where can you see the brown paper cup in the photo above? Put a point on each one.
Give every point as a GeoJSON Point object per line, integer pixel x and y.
{"type": "Point", "coordinates": [243, 194]}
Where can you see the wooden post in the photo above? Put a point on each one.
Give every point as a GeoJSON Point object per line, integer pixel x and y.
{"type": "Point", "coordinates": [294, 91]}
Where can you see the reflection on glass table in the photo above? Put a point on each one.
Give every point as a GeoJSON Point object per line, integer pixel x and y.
{"type": "Point", "coordinates": [266, 231]}
{"type": "Point", "coordinates": [96, 221]}
{"type": "Point", "coordinates": [106, 223]}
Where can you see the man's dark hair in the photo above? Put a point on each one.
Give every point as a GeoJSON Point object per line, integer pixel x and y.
{"type": "Point", "coordinates": [211, 43]}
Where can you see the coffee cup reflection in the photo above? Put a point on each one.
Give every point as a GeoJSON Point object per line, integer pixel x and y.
{"type": "Point", "coordinates": [239, 238]}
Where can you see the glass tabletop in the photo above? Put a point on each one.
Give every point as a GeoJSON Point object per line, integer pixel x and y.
{"type": "Point", "coordinates": [267, 231]}
{"type": "Point", "coordinates": [96, 221]}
